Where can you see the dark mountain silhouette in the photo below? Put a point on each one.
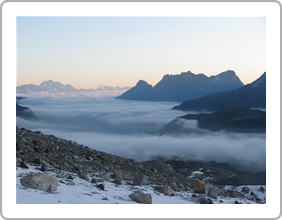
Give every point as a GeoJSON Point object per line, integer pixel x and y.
{"type": "Point", "coordinates": [252, 95]}
{"type": "Point", "coordinates": [233, 118]}
{"type": "Point", "coordinates": [25, 113]}
{"type": "Point", "coordinates": [184, 86]}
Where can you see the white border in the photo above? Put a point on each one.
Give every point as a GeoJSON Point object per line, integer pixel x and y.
{"type": "Point", "coordinates": [268, 9]}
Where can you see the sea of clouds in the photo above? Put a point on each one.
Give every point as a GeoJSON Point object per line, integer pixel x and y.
{"type": "Point", "coordinates": [127, 128]}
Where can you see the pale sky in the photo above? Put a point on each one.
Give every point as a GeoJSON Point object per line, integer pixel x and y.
{"type": "Point", "coordinates": [87, 52]}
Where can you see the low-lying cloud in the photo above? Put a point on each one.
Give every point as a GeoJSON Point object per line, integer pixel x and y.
{"type": "Point", "coordinates": [123, 128]}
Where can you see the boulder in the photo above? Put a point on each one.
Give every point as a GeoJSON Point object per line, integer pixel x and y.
{"type": "Point", "coordinates": [118, 174]}
{"type": "Point", "coordinates": [141, 179]}
{"type": "Point", "coordinates": [168, 191]}
{"type": "Point", "coordinates": [140, 197]}
{"type": "Point", "coordinates": [101, 186]}
{"type": "Point", "coordinates": [213, 193]}
{"type": "Point", "coordinates": [261, 189]}
{"type": "Point", "coordinates": [245, 189]}
{"type": "Point", "coordinates": [62, 174]}
{"type": "Point", "coordinates": [40, 181]}
{"type": "Point", "coordinates": [199, 186]}
{"type": "Point", "coordinates": [83, 176]}
{"type": "Point", "coordinates": [204, 200]}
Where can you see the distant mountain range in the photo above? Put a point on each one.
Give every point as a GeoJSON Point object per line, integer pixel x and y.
{"type": "Point", "coordinates": [183, 87]}
{"type": "Point", "coordinates": [233, 118]}
{"type": "Point", "coordinates": [52, 88]}
{"type": "Point", "coordinates": [252, 95]}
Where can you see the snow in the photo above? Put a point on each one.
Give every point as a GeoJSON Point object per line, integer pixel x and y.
{"type": "Point", "coordinates": [84, 192]}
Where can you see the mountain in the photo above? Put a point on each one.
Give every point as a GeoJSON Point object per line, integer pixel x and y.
{"type": "Point", "coordinates": [252, 95]}
{"type": "Point", "coordinates": [25, 113]}
{"type": "Point", "coordinates": [52, 88]}
{"type": "Point", "coordinates": [184, 86]}
{"type": "Point", "coordinates": [234, 118]}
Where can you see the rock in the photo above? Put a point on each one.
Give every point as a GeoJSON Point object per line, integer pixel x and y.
{"type": "Point", "coordinates": [70, 177]}
{"type": "Point", "coordinates": [141, 180]}
{"type": "Point", "coordinates": [194, 195]}
{"type": "Point", "coordinates": [45, 166]}
{"type": "Point", "coordinates": [168, 191]}
{"type": "Point", "coordinates": [89, 158]}
{"type": "Point", "coordinates": [40, 181]}
{"type": "Point", "coordinates": [37, 161]}
{"type": "Point", "coordinates": [61, 174]}
{"type": "Point", "coordinates": [261, 189]}
{"type": "Point", "coordinates": [23, 165]}
{"type": "Point", "coordinates": [104, 176]}
{"type": "Point", "coordinates": [83, 176]}
{"type": "Point", "coordinates": [117, 181]}
{"type": "Point", "coordinates": [213, 193]}
{"type": "Point", "coordinates": [236, 202]}
{"type": "Point", "coordinates": [118, 174]}
{"type": "Point", "coordinates": [101, 186]}
{"type": "Point", "coordinates": [140, 197]}
{"type": "Point", "coordinates": [245, 189]}
{"type": "Point", "coordinates": [93, 180]}
{"type": "Point", "coordinates": [105, 198]}
{"type": "Point", "coordinates": [199, 186]}
{"type": "Point", "coordinates": [204, 200]}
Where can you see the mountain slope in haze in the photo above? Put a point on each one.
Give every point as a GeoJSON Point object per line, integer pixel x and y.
{"type": "Point", "coordinates": [234, 118]}
{"type": "Point", "coordinates": [25, 113]}
{"type": "Point", "coordinates": [52, 88]}
{"type": "Point", "coordinates": [184, 86]}
{"type": "Point", "coordinates": [252, 95]}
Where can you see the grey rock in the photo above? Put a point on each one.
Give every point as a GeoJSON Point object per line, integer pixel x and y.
{"type": "Point", "coordinates": [93, 180]}
{"type": "Point", "coordinates": [168, 191]}
{"type": "Point", "coordinates": [140, 197]}
{"type": "Point", "coordinates": [23, 165]}
{"type": "Point", "coordinates": [84, 177]}
{"type": "Point", "coordinates": [245, 189]}
{"type": "Point", "coordinates": [204, 200]}
{"type": "Point", "coordinates": [141, 180]}
{"type": "Point", "coordinates": [61, 174]}
{"type": "Point", "coordinates": [261, 189]}
{"type": "Point", "coordinates": [213, 193]}
{"type": "Point", "coordinates": [118, 174]}
{"type": "Point", "coordinates": [40, 181]}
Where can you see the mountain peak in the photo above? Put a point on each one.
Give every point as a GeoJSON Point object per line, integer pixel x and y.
{"type": "Point", "coordinates": [49, 83]}
{"type": "Point", "coordinates": [142, 83]}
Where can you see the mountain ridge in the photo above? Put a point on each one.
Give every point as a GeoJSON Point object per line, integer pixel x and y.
{"type": "Point", "coordinates": [55, 88]}
{"type": "Point", "coordinates": [183, 86]}
{"type": "Point", "coordinates": [252, 95]}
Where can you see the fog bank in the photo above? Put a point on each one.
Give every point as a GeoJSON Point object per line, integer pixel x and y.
{"type": "Point", "coordinates": [122, 128]}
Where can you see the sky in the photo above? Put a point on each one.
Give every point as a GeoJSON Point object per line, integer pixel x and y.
{"type": "Point", "coordinates": [87, 52]}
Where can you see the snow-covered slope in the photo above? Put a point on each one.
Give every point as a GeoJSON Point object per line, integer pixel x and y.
{"type": "Point", "coordinates": [85, 192]}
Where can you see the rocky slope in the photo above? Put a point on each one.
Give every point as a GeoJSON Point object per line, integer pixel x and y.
{"type": "Point", "coordinates": [252, 95]}
{"type": "Point", "coordinates": [183, 87]}
{"type": "Point", "coordinates": [66, 163]}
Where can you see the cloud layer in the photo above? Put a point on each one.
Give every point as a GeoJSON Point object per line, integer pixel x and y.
{"type": "Point", "coordinates": [123, 128]}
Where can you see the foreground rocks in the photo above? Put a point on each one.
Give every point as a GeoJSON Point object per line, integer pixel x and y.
{"type": "Point", "coordinates": [40, 181]}
{"type": "Point", "coordinates": [140, 197]}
